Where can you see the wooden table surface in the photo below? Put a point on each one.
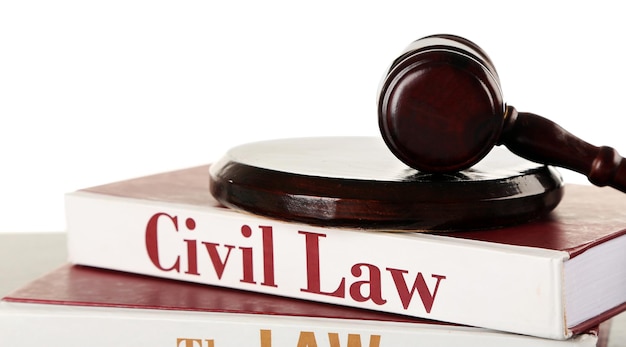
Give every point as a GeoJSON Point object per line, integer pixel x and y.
{"type": "Point", "coordinates": [26, 256]}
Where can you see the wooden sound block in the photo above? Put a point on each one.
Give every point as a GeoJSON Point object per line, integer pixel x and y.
{"type": "Point", "coordinates": [357, 182]}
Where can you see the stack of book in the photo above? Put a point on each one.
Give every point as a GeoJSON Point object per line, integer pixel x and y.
{"type": "Point", "coordinates": [157, 261]}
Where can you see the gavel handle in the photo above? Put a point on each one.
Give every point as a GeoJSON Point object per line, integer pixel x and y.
{"type": "Point", "coordinates": [541, 140]}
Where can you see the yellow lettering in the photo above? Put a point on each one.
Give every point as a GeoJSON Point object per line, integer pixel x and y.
{"type": "Point", "coordinates": [374, 341]}
{"type": "Point", "coordinates": [188, 342]}
{"type": "Point", "coordinates": [192, 342]}
{"type": "Point", "coordinates": [307, 339]}
{"type": "Point", "coordinates": [266, 338]}
{"type": "Point", "coordinates": [354, 340]}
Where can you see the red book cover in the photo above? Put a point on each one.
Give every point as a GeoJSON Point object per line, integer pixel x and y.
{"type": "Point", "coordinates": [86, 286]}
{"type": "Point", "coordinates": [586, 216]}
{"type": "Point", "coordinates": [553, 277]}
{"type": "Point", "coordinates": [79, 306]}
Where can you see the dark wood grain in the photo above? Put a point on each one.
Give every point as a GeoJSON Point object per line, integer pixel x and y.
{"type": "Point", "coordinates": [441, 110]}
{"type": "Point", "coordinates": [356, 181]}
{"type": "Point", "coordinates": [541, 140]}
{"type": "Point", "coordinates": [440, 106]}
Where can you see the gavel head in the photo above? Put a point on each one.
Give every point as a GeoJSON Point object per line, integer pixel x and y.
{"type": "Point", "coordinates": [440, 106]}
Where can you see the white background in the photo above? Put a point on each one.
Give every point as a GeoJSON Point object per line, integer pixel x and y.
{"type": "Point", "coordinates": [98, 91]}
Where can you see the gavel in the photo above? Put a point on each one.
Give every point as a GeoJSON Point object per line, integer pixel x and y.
{"type": "Point", "coordinates": [441, 110]}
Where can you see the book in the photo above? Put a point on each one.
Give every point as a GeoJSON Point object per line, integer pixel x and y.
{"type": "Point", "coordinates": [552, 278]}
{"type": "Point", "coordinates": [82, 306]}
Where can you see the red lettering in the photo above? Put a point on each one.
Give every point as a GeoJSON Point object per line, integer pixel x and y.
{"type": "Point", "coordinates": [248, 268]}
{"type": "Point", "coordinates": [192, 250]}
{"type": "Point", "coordinates": [374, 283]}
{"type": "Point", "coordinates": [152, 241]}
{"type": "Point", "coordinates": [312, 248]}
{"type": "Point", "coordinates": [246, 257]}
{"type": "Point", "coordinates": [192, 257]}
{"type": "Point", "coordinates": [218, 264]}
{"type": "Point", "coordinates": [420, 285]}
{"type": "Point", "coordinates": [268, 256]}
{"type": "Point", "coordinates": [218, 261]}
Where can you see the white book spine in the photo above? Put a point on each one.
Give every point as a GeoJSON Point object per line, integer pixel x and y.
{"type": "Point", "coordinates": [509, 288]}
{"type": "Point", "coordinates": [74, 326]}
